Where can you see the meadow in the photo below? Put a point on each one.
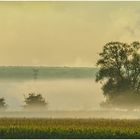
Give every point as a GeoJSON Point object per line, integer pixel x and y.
{"type": "Point", "coordinates": [68, 128]}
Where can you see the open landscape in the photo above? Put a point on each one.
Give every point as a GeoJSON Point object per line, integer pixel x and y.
{"type": "Point", "coordinates": [68, 122]}
{"type": "Point", "coordinates": [69, 70]}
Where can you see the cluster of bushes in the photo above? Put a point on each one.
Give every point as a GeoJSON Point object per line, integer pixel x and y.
{"type": "Point", "coordinates": [32, 101]}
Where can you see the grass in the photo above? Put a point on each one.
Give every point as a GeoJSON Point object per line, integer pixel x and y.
{"type": "Point", "coordinates": [68, 128]}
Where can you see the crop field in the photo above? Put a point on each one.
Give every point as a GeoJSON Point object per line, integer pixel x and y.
{"type": "Point", "coordinates": [68, 128]}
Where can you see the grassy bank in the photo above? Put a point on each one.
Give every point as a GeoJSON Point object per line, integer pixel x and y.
{"type": "Point", "coordinates": [69, 128]}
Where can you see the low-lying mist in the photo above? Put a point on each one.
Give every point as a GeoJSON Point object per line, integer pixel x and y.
{"type": "Point", "coordinates": [103, 114]}
{"type": "Point", "coordinates": [66, 98]}
{"type": "Point", "coordinates": [61, 94]}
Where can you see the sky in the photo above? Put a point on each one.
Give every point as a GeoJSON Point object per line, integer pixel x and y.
{"type": "Point", "coordinates": [64, 33]}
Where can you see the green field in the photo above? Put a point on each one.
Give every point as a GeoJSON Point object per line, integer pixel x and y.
{"type": "Point", "coordinates": [69, 128]}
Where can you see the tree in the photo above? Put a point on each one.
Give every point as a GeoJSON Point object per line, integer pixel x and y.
{"type": "Point", "coordinates": [35, 101]}
{"type": "Point", "coordinates": [119, 69]}
{"type": "Point", "coordinates": [3, 105]}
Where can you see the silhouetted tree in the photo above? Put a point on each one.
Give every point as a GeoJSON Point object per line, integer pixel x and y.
{"type": "Point", "coordinates": [35, 101]}
{"type": "Point", "coordinates": [119, 69]}
{"type": "Point", "coordinates": [3, 105]}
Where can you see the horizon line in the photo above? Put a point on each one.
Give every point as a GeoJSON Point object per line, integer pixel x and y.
{"type": "Point", "coordinates": [45, 66]}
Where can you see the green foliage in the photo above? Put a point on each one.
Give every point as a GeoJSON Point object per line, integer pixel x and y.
{"type": "Point", "coordinates": [69, 128]}
{"type": "Point", "coordinates": [119, 69]}
{"type": "Point", "coordinates": [35, 101]}
{"type": "Point", "coordinates": [3, 105]}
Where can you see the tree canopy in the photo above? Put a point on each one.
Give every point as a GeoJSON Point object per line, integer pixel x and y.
{"type": "Point", "coordinates": [119, 69]}
{"type": "Point", "coordinates": [3, 105]}
{"type": "Point", "coordinates": [35, 101]}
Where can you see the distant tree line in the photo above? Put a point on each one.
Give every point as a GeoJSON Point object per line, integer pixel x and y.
{"type": "Point", "coordinates": [32, 102]}
{"type": "Point", "coordinates": [119, 73]}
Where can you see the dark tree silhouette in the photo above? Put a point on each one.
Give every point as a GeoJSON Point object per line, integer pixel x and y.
{"type": "Point", "coordinates": [119, 69]}
{"type": "Point", "coordinates": [3, 105]}
{"type": "Point", "coordinates": [35, 101]}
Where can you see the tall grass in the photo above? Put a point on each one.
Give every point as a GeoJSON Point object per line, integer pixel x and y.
{"type": "Point", "coordinates": [69, 128]}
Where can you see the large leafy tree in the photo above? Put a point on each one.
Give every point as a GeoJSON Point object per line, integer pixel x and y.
{"type": "Point", "coordinates": [119, 69]}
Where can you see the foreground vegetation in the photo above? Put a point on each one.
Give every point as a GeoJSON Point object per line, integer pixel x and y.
{"type": "Point", "coordinates": [69, 128]}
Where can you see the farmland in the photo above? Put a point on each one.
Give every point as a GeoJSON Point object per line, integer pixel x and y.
{"type": "Point", "coordinates": [68, 128]}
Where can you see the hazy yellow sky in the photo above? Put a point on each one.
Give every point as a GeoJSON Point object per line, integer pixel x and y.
{"type": "Point", "coordinates": [63, 33]}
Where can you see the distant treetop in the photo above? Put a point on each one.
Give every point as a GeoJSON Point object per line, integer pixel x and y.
{"type": "Point", "coordinates": [35, 101]}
